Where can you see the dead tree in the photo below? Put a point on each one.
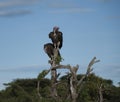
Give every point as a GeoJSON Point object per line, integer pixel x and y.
{"type": "Point", "coordinates": [74, 83]}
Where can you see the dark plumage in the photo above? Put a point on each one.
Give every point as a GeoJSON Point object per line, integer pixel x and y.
{"type": "Point", "coordinates": [57, 37]}
{"type": "Point", "coordinates": [49, 50]}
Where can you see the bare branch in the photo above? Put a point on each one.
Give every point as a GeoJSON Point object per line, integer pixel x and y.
{"type": "Point", "coordinates": [61, 67]}
{"type": "Point", "coordinates": [89, 69]}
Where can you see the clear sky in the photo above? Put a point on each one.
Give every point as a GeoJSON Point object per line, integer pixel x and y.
{"type": "Point", "coordinates": [90, 28]}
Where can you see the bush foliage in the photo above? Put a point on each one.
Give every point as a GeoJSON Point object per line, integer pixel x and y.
{"type": "Point", "coordinates": [25, 90]}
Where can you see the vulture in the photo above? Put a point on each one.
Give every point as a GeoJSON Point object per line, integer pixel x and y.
{"type": "Point", "coordinates": [49, 50]}
{"type": "Point", "coordinates": [57, 37]}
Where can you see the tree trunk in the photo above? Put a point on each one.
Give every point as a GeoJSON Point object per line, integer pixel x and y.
{"type": "Point", "coordinates": [38, 89]}
{"type": "Point", "coordinates": [100, 94]}
{"type": "Point", "coordinates": [54, 74]}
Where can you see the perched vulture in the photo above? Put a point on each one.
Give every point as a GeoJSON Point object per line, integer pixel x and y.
{"type": "Point", "coordinates": [49, 50]}
{"type": "Point", "coordinates": [57, 37]}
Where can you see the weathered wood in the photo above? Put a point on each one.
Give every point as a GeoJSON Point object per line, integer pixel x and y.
{"type": "Point", "coordinates": [100, 93]}
{"type": "Point", "coordinates": [73, 79]}
{"type": "Point", "coordinates": [74, 83]}
{"type": "Point", "coordinates": [54, 74]}
{"type": "Point", "coordinates": [38, 89]}
{"type": "Point", "coordinates": [89, 69]}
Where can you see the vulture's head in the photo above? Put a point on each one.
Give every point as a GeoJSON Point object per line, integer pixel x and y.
{"type": "Point", "coordinates": [55, 29]}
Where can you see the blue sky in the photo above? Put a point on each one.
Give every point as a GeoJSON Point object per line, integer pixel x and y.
{"type": "Point", "coordinates": [90, 28]}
